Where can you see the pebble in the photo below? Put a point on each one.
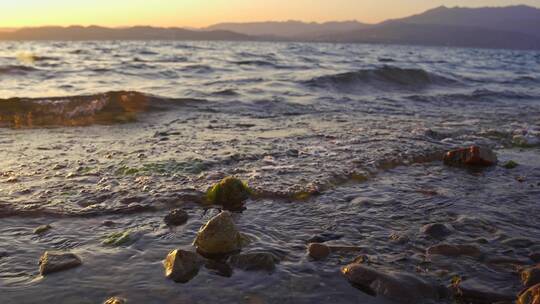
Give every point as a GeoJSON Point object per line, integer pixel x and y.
{"type": "Point", "coordinates": [115, 300]}
{"type": "Point", "coordinates": [42, 229]}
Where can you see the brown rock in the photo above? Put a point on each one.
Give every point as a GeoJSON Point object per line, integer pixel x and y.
{"type": "Point", "coordinates": [531, 276]}
{"type": "Point", "coordinates": [181, 266]}
{"type": "Point", "coordinates": [436, 230]}
{"type": "Point", "coordinates": [472, 156]}
{"type": "Point", "coordinates": [54, 261]}
{"type": "Point", "coordinates": [530, 296]}
{"type": "Point", "coordinates": [454, 250]}
{"type": "Point", "coordinates": [219, 236]}
{"type": "Point", "coordinates": [318, 251]}
{"type": "Point", "coordinates": [399, 287]}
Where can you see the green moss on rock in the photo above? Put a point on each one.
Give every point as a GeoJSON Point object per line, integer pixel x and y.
{"type": "Point", "coordinates": [510, 164]}
{"type": "Point", "coordinates": [118, 239]}
{"type": "Point", "coordinates": [229, 193]}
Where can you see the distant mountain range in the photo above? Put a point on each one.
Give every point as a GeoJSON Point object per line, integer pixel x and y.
{"type": "Point", "coordinates": [514, 27]}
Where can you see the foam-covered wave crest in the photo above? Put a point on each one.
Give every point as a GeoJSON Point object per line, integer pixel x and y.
{"type": "Point", "coordinates": [381, 78]}
{"type": "Point", "coordinates": [111, 107]}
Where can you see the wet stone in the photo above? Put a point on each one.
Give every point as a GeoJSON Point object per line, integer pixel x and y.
{"type": "Point", "coordinates": [115, 300]}
{"type": "Point", "coordinates": [181, 266]}
{"type": "Point", "coordinates": [474, 291]}
{"type": "Point", "coordinates": [42, 229]}
{"type": "Point", "coordinates": [219, 267]}
{"type": "Point", "coordinates": [531, 276]}
{"type": "Point", "coordinates": [219, 236]}
{"type": "Point", "coordinates": [254, 261]}
{"type": "Point", "coordinates": [176, 217]}
{"type": "Point", "coordinates": [474, 156]}
{"type": "Point", "coordinates": [454, 250]}
{"type": "Point", "coordinates": [55, 261]}
{"type": "Point", "coordinates": [530, 296]}
{"type": "Point", "coordinates": [229, 193]}
{"type": "Point", "coordinates": [436, 230]}
{"type": "Point", "coordinates": [318, 251]}
{"type": "Point", "coordinates": [399, 287]}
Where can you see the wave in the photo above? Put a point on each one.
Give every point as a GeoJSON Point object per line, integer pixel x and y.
{"type": "Point", "coordinates": [476, 95]}
{"type": "Point", "coordinates": [16, 69]}
{"type": "Point", "coordinates": [107, 108]}
{"type": "Point", "coordinates": [379, 78]}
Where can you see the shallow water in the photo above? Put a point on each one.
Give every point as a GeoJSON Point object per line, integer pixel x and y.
{"type": "Point", "coordinates": [344, 139]}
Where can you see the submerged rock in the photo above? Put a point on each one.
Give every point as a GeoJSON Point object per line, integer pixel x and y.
{"type": "Point", "coordinates": [473, 156]}
{"type": "Point", "coordinates": [399, 287]}
{"type": "Point", "coordinates": [473, 291]}
{"type": "Point", "coordinates": [181, 266]}
{"type": "Point", "coordinates": [118, 239]}
{"type": "Point", "coordinates": [535, 257]}
{"type": "Point", "coordinates": [229, 193]}
{"type": "Point", "coordinates": [454, 250]}
{"type": "Point", "coordinates": [176, 217]}
{"type": "Point", "coordinates": [55, 261]}
{"type": "Point", "coordinates": [531, 276]}
{"type": "Point", "coordinates": [530, 296]}
{"type": "Point", "coordinates": [436, 230]}
{"type": "Point", "coordinates": [510, 164]}
{"type": "Point", "coordinates": [518, 242]}
{"type": "Point", "coordinates": [115, 300]}
{"type": "Point", "coordinates": [318, 251]}
{"type": "Point", "coordinates": [42, 229]}
{"type": "Point", "coordinates": [219, 236]}
{"type": "Point", "coordinates": [219, 267]}
{"type": "Point", "coordinates": [324, 237]}
{"type": "Point", "coordinates": [254, 261]}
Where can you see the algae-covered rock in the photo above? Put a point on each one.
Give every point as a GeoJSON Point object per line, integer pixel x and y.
{"type": "Point", "coordinates": [118, 239]}
{"type": "Point", "coordinates": [219, 236]}
{"type": "Point", "coordinates": [54, 261]}
{"type": "Point", "coordinates": [42, 229]}
{"type": "Point", "coordinates": [229, 193]}
{"type": "Point", "coordinates": [472, 156]}
{"type": "Point", "coordinates": [181, 266]}
{"type": "Point", "coordinates": [510, 164]}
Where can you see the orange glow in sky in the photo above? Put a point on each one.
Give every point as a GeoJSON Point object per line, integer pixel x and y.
{"type": "Point", "coordinates": [199, 13]}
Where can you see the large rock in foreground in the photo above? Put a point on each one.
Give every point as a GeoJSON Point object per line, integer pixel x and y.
{"type": "Point", "coordinates": [473, 156]}
{"type": "Point", "coordinates": [530, 296]}
{"type": "Point", "coordinates": [531, 276]}
{"type": "Point", "coordinates": [399, 287]}
{"type": "Point", "coordinates": [181, 266]}
{"type": "Point", "coordinates": [219, 236]}
{"type": "Point", "coordinates": [55, 261]}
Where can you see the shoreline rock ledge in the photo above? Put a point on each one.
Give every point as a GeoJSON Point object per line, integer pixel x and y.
{"type": "Point", "coordinates": [219, 236]}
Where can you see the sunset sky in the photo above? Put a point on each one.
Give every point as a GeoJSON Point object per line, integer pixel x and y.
{"type": "Point", "coordinates": [199, 13]}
